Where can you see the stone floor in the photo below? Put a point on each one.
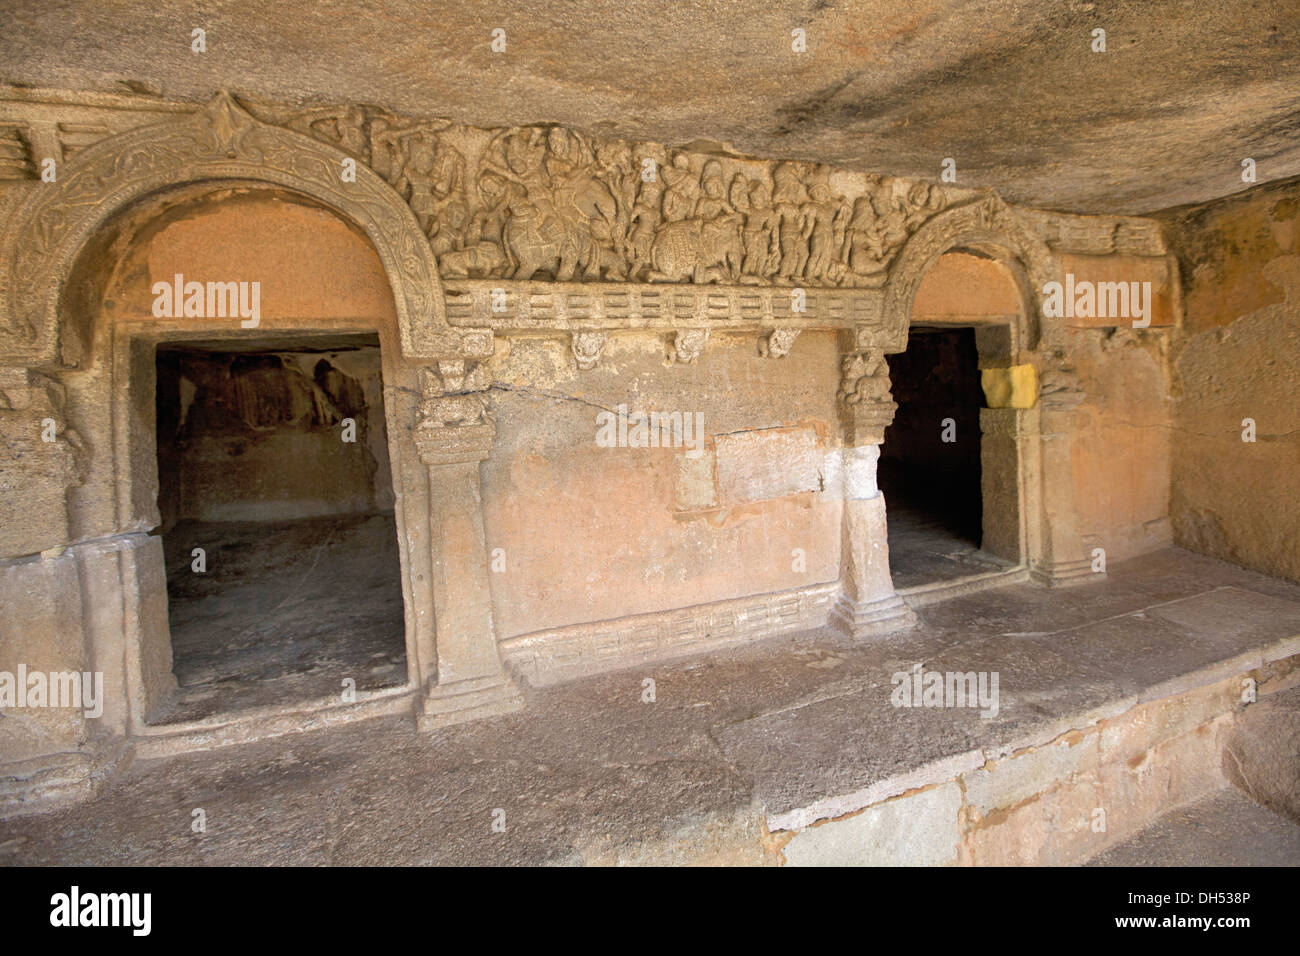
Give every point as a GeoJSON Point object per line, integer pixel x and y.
{"type": "Point", "coordinates": [591, 772]}
{"type": "Point", "coordinates": [285, 611]}
{"type": "Point", "coordinates": [1224, 829]}
{"type": "Point", "coordinates": [931, 540]}
{"type": "Point", "coordinates": [926, 546]}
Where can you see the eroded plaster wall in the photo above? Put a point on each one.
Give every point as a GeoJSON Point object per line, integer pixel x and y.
{"type": "Point", "coordinates": [1238, 358]}
{"type": "Point", "coordinates": [591, 533]}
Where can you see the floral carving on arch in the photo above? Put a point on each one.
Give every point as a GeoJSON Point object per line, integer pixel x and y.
{"type": "Point", "coordinates": [987, 226]}
{"type": "Point", "coordinates": [222, 141]}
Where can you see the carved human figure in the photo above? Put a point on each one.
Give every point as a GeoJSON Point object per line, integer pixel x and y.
{"type": "Point", "coordinates": [681, 189]}
{"type": "Point", "coordinates": [862, 239]}
{"type": "Point", "coordinates": [482, 252]}
{"type": "Point", "coordinates": [762, 250]}
{"type": "Point", "coordinates": [713, 202]}
{"type": "Point", "coordinates": [614, 169]}
{"type": "Point", "coordinates": [891, 221]}
{"type": "Point", "coordinates": [821, 232]}
{"type": "Point", "coordinates": [642, 227]}
{"type": "Point", "coordinates": [789, 200]}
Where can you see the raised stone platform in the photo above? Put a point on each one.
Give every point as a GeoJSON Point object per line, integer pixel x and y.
{"type": "Point", "coordinates": [1115, 695]}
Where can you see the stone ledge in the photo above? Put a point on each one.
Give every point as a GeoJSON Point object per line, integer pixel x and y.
{"type": "Point", "coordinates": [785, 730]}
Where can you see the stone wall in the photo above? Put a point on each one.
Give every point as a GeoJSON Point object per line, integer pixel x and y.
{"type": "Point", "coordinates": [1238, 358]}
{"type": "Point", "coordinates": [578, 295]}
{"type": "Point", "coordinates": [592, 533]}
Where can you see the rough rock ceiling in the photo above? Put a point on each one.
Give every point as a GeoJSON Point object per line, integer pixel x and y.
{"type": "Point", "coordinates": [1011, 90]}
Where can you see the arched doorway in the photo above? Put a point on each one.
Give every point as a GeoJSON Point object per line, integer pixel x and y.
{"type": "Point", "coordinates": [257, 324]}
{"type": "Point", "coordinates": [963, 454]}
{"type": "Point", "coordinates": [954, 493]}
{"type": "Point", "coordinates": [66, 239]}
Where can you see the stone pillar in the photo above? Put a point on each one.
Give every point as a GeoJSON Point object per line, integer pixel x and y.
{"type": "Point", "coordinates": [454, 435]}
{"type": "Point", "coordinates": [1064, 557]}
{"type": "Point", "coordinates": [1008, 473]}
{"type": "Point", "coordinates": [868, 605]}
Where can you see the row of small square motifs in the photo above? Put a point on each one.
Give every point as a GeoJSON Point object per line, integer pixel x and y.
{"type": "Point", "coordinates": [683, 306]}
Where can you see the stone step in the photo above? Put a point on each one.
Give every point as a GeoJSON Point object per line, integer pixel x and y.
{"type": "Point", "coordinates": [1225, 828]}
{"type": "Point", "coordinates": [1261, 756]}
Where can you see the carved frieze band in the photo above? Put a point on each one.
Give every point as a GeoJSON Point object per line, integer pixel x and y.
{"type": "Point", "coordinates": [564, 307]}
{"type": "Point", "coordinates": [535, 228]}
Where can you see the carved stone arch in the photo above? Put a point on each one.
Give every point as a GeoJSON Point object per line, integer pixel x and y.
{"type": "Point", "coordinates": [219, 142]}
{"type": "Point", "coordinates": [987, 226]}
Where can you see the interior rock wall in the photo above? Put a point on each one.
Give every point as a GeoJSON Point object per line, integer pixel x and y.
{"type": "Point", "coordinates": [271, 436]}
{"type": "Point", "coordinates": [1238, 358]}
{"type": "Point", "coordinates": [758, 496]}
{"type": "Point", "coordinates": [1119, 440]}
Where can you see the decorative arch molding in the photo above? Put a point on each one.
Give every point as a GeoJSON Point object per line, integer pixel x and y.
{"type": "Point", "coordinates": [988, 226]}
{"type": "Point", "coordinates": [220, 142]}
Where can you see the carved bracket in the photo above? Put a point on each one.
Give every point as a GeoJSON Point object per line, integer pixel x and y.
{"type": "Point", "coordinates": [687, 345]}
{"type": "Point", "coordinates": [866, 405]}
{"type": "Point", "coordinates": [456, 422]}
{"type": "Point", "coordinates": [777, 343]}
{"type": "Point", "coordinates": [587, 348]}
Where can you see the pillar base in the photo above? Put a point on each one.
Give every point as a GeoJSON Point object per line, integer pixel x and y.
{"type": "Point", "coordinates": [1066, 573]}
{"type": "Point", "coordinates": [54, 781]}
{"type": "Point", "coordinates": [461, 701]}
{"type": "Point", "coordinates": [887, 615]}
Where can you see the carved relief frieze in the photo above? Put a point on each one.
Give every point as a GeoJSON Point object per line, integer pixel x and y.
{"type": "Point", "coordinates": [548, 203]}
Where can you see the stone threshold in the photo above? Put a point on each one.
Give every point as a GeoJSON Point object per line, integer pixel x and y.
{"type": "Point", "coordinates": [263, 723]}
{"type": "Point", "coordinates": [921, 595]}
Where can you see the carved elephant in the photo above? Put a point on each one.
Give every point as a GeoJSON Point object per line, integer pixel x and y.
{"type": "Point", "coordinates": [697, 249]}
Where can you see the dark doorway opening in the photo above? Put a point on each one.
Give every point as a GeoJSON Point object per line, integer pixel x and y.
{"type": "Point", "coordinates": [930, 461]}
{"type": "Point", "coordinates": [276, 499]}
